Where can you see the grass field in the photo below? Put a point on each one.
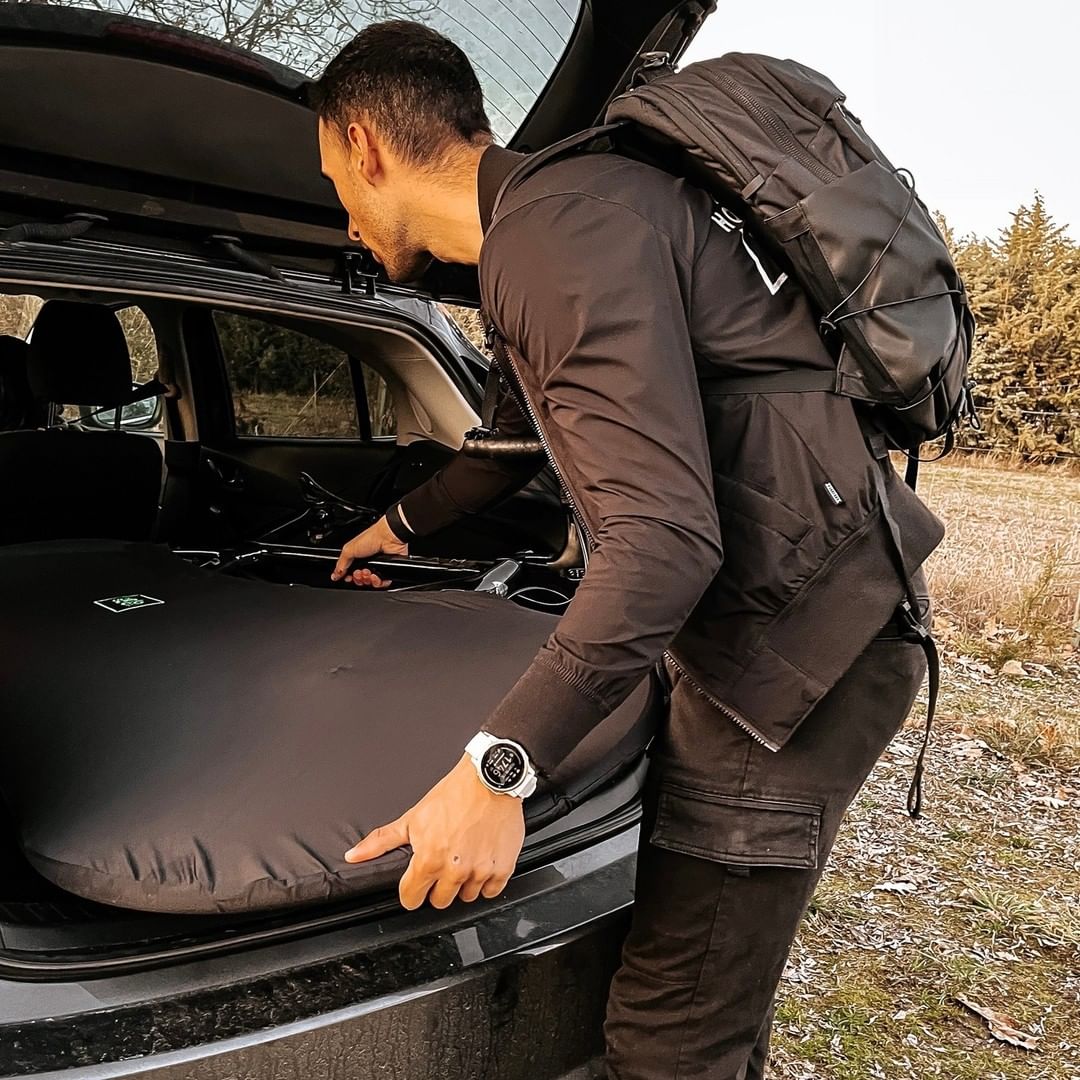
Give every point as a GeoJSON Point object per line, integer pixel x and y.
{"type": "Point", "coordinates": [979, 900]}
{"type": "Point", "coordinates": [1012, 552]}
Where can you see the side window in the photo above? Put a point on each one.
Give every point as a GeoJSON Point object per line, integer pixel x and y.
{"type": "Point", "coordinates": [141, 343]}
{"type": "Point", "coordinates": [17, 314]}
{"type": "Point", "coordinates": [380, 405]}
{"type": "Point", "coordinates": [287, 383]}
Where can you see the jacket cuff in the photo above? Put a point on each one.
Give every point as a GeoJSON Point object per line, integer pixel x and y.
{"type": "Point", "coordinates": [427, 509]}
{"type": "Point", "coordinates": [546, 715]}
{"type": "Point", "coordinates": [397, 524]}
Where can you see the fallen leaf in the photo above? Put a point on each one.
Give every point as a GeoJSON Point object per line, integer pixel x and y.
{"type": "Point", "coordinates": [1012, 667]}
{"type": "Point", "coordinates": [901, 885]}
{"type": "Point", "coordinates": [1002, 1027]}
{"type": "Point", "coordinates": [1052, 801]}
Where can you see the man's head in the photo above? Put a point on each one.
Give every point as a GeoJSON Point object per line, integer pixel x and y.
{"type": "Point", "coordinates": [401, 120]}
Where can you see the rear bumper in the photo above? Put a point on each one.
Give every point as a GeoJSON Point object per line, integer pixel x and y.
{"type": "Point", "coordinates": [511, 990]}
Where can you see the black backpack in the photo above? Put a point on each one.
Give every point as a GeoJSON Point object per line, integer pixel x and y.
{"type": "Point", "coordinates": [775, 135]}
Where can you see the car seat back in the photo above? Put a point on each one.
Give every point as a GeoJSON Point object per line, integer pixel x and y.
{"type": "Point", "coordinates": [66, 482]}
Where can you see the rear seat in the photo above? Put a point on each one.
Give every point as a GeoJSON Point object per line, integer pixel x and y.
{"type": "Point", "coordinates": [63, 482]}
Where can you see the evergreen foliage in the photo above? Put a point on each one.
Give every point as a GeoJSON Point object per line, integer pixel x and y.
{"type": "Point", "coordinates": [1025, 292]}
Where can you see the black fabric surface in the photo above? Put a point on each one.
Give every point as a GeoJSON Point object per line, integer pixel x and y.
{"type": "Point", "coordinates": [65, 483]}
{"type": "Point", "coordinates": [221, 750]}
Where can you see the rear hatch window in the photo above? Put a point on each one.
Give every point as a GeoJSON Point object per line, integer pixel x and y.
{"type": "Point", "coordinates": [514, 45]}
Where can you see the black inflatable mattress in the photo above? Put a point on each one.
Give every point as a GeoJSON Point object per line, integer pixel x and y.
{"type": "Point", "coordinates": [217, 744]}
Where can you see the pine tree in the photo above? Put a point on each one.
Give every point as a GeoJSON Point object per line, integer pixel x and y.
{"type": "Point", "coordinates": [1025, 292]}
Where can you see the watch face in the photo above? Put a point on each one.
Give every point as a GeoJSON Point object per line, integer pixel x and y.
{"type": "Point", "coordinates": [502, 766]}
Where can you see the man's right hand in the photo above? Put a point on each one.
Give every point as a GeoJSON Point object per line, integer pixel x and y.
{"type": "Point", "coordinates": [373, 541]}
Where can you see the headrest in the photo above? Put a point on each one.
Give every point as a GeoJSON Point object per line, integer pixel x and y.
{"type": "Point", "coordinates": [79, 355]}
{"type": "Point", "coordinates": [18, 409]}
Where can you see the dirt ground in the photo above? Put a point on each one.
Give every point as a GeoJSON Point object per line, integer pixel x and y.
{"type": "Point", "coordinates": [950, 946]}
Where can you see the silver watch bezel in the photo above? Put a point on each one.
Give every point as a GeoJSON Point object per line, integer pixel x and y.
{"type": "Point", "coordinates": [481, 743]}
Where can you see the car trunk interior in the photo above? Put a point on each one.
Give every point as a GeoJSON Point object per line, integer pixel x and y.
{"type": "Point", "coordinates": [276, 507]}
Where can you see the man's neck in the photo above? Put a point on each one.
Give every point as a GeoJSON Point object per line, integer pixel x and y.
{"type": "Point", "coordinates": [448, 214]}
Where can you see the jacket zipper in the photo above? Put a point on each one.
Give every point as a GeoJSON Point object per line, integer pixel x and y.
{"type": "Point", "coordinates": [507, 362]}
{"type": "Point", "coordinates": [770, 122]}
{"type": "Point", "coordinates": [734, 717]}
{"type": "Point", "coordinates": [499, 348]}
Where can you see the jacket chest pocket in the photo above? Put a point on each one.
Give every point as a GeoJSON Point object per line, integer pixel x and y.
{"type": "Point", "coordinates": [737, 501]}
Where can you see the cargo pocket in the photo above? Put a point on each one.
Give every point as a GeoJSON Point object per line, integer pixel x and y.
{"type": "Point", "coordinates": [740, 831]}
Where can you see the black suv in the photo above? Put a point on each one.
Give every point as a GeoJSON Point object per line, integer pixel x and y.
{"type": "Point", "coordinates": [160, 200]}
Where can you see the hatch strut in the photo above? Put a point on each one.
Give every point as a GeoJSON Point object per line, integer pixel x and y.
{"type": "Point", "coordinates": [71, 228]}
{"type": "Point", "coordinates": [232, 246]}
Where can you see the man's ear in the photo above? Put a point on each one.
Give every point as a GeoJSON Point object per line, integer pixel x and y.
{"type": "Point", "coordinates": [364, 151]}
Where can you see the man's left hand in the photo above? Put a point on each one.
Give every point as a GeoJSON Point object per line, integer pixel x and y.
{"type": "Point", "coordinates": [466, 840]}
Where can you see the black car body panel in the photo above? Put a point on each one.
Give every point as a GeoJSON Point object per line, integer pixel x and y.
{"type": "Point", "coordinates": [512, 989]}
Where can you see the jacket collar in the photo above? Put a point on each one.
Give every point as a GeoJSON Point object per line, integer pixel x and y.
{"type": "Point", "coordinates": [496, 163]}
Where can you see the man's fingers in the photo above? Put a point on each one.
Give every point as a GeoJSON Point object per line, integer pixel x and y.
{"type": "Point", "coordinates": [446, 889]}
{"type": "Point", "coordinates": [345, 560]}
{"type": "Point", "coordinates": [416, 883]}
{"type": "Point", "coordinates": [366, 579]}
{"type": "Point", "coordinates": [379, 842]}
{"type": "Point", "coordinates": [470, 891]}
{"type": "Point", "coordinates": [495, 884]}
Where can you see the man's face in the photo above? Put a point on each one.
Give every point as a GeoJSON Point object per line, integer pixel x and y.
{"type": "Point", "coordinates": [374, 185]}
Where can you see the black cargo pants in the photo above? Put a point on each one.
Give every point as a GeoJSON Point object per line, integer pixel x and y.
{"type": "Point", "coordinates": [733, 841]}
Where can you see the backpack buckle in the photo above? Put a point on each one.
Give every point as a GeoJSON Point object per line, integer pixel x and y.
{"type": "Point", "coordinates": [912, 625]}
{"type": "Point", "coordinates": [650, 65]}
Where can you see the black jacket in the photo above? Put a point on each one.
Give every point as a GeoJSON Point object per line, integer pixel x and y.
{"type": "Point", "coordinates": [742, 533]}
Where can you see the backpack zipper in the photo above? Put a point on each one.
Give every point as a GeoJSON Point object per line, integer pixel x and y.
{"type": "Point", "coordinates": [691, 112]}
{"type": "Point", "coordinates": [770, 122]}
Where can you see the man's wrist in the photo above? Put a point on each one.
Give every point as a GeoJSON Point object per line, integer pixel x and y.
{"type": "Point", "coordinates": [398, 525]}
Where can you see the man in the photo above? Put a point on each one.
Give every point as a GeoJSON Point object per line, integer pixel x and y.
{"type": "Point", "coordinates": [741, 533]}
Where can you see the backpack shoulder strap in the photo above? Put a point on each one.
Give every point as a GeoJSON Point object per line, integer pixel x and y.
{"type": "Point", "coordinates": [542, 157]}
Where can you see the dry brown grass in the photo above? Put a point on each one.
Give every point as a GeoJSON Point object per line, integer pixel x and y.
{"type": "Point", "coordinates": [295, 414]}
{"type": "Point", "coordinates": [1008, 572]}
{"type": "Point", "coordinates": [1005, 584]}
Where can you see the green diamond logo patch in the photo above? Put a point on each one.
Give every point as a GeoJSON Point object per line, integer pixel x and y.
{"type": "Point", "coordinates": [131, 602]}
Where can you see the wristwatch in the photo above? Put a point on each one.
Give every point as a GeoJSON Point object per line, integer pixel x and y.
{"type": "Point", "coordinates": [502, 765]}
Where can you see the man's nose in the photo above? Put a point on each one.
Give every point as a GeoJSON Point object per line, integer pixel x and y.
{"type": "Point", "coordinates": [354, 232]}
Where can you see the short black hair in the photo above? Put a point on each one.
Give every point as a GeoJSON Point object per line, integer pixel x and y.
{"type": "Point", "coordinates": [416, 86]}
